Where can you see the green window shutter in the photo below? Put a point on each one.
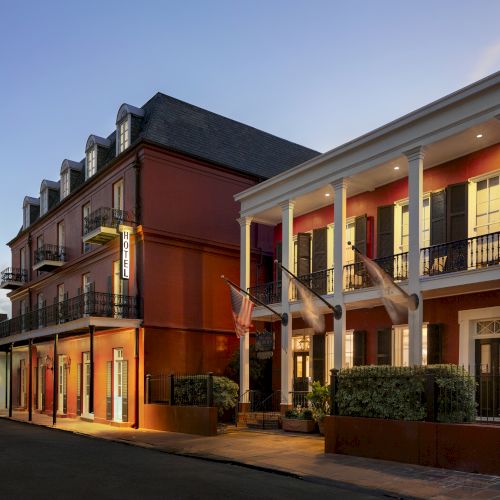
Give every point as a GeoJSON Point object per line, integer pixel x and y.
{"type": "Point", "coordinates": [303, 254]}
{"type": "Point", "coordinates": [360, 228]}
{"type": "Point", "coordinates": [318, 348]}
{"type": "Point", "coordinates": [79, 389]}
{"type": "Point", "coordinates": [109, 400]}
{"type": "Point", "coordinates": [279, 258]}
{"type": "Point", "coordinates": [384, 346]}
{"type": "Point", "coordinates": [385, 231]}
{"type": "Point", "coordinates": [434, 344]}
{"type": "Point", "coordinates": [319, 259]}
{"type": "Point", "coordinates": [125, 391]}
{"type": "Point", "coordinates": [438, 217]}
{"type": "Point", "coordinates": [359, 348]}
{"type": "Point", "coordinates": [457, 225]}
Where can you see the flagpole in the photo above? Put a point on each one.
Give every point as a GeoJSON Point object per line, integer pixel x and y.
{"type": "Point", "coordinates": [414, 296]}
{"type": "Point", "coordinates": [283, 317]}
{"type": "Point", "coordinates": [337, 311]}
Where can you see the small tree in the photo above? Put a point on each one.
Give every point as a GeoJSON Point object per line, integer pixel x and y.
{"type": "Point", "coordinates": [319, 397]}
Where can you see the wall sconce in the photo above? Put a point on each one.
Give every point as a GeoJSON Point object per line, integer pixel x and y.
{"type": "Point", "coordinates": [48, 362]}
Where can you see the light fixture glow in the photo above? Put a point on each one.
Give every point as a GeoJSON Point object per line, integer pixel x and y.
{"type": "Point", "coordinates": [396, 167]}
{"type": "Point", "coordinates": [327, 194]}
{"type": "Point", "coordinates": [478, 136]}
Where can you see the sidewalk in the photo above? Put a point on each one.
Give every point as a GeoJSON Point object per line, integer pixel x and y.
{"type": "Point", "coordinates": [294, 454]}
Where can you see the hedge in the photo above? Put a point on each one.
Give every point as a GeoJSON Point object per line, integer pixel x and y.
{"type": "Point", "coordinates": [399, 392]}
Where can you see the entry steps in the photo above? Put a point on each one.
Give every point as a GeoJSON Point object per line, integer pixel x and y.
{"type": "Point", "coordinates": [260, 419]}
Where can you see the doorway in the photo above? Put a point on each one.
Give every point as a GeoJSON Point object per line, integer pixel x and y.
{"type": "Point", "coordinates": [22, 394]}
{"type": "Point", "coordinates": [86, 383]}
{"type": "Point", "coordinates": [118, 384]}
{"type": "Point", "coordinates": [41, 386]}
{"type": "Point", "coordinates": [488, 376]}
{"type": "Point", "coordinates": [62, 385]}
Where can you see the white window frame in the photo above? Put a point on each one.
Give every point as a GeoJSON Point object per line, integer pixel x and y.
{"type": "Point", "coordinates": [119, 195]}
{"type": "Point", "coordinates": [398, 211]}
{"type": "Point", "coordinates": [472, 196]}
{"type": "Point", "coordinates": [123, 134]}
{"type": "Point", "coordinates": [349, 343]}
{"type": "Point", "coordinates": [91, 162]}
{"type": "Point", "coordinates": [44, 202]}
{"type": "Point", "coordinates": [397, 345]}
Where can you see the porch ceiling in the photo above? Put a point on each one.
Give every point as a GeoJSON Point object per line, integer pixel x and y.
{"type": "Point", "coordinates": [439, 152]}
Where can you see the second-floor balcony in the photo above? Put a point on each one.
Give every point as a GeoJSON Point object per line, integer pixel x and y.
{"type": "Point", "coordinates": [12, 278]}
{"type": "Point", "coordinates": [102, 225]}
{"type": "Point", "coordinates": [471, 254]}
{"type": "Point", "coordinates": [88, 304]}
{"type": "Point", "coordinates": [49, 257]}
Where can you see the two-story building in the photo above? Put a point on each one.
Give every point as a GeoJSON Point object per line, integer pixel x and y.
{"type": "Point", "coordinates": [421, 196]}
{"type": "Point", "coordinates": [116, 270]}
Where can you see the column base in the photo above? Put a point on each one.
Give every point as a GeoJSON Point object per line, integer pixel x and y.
{"type": "Point", "coordinates": [284, 408]}
{"type": "Point", "coordinates": [243, 407]}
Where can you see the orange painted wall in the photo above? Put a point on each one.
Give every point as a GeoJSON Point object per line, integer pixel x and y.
{"type": "Point", "coordinates": [177, 351]}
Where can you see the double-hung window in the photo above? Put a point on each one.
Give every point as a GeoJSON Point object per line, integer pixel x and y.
{"type": "Point", "coordinates": [124, 136]}
{"type": "Point", "coordinates": [91, 162]}
{"type": "Point", "coordinates": [65, 184]}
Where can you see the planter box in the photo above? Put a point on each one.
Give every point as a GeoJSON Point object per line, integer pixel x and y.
{"type": "Point", "coordinates": [465, 447]}
{"type": "Point", "coordinates": [298, 425]}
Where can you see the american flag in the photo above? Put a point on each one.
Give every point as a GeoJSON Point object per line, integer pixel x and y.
{"type": "Point", "coordinates": [242, 308]}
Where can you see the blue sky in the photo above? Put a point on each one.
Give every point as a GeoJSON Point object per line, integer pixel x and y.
{"type": "Point", "coordinates": [315, 72]}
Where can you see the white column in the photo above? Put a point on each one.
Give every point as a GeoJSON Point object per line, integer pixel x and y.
{"type": "Point", "coordinates": [286, 331]}
{"type": "Point", "coordinates": [245, 223]}
{"type": "Point", "coordinates": [339, 251]}
{"type": "Point", "coordinates": [415, 191]}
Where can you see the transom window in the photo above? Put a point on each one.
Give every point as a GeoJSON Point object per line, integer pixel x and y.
{"type": "Point", "coordinates": [91, 162]}
{"type": "Point", "coordinates": [488, 206]}
{"type": "Point", "coordinates": [124, 135]}
{"type": "Point", "coordinates": [488, 327]}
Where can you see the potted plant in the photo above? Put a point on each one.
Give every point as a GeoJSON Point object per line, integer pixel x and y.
{"type": "Point", "coordinates": [319, 398]}
{"type": "Point", "coordinates": [298, 420]}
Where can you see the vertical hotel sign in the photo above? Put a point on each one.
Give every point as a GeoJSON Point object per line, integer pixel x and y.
{"type": "Point", "coordinates": [125, 252]}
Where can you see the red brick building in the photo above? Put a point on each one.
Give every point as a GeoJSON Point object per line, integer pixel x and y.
{"type": "Point", "coordinates": [116, 270]}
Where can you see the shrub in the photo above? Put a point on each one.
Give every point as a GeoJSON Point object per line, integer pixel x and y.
{"type": "Point", "coordinates": [399, 393]}
{"type": "Point", "coordinates": [319, 399]}
{"type": "Point", "coordinates": [192, 390]}
{"type": "Point", "coordinates": [299, 413]}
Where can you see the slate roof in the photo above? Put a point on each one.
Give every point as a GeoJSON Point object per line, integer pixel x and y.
{"type": "Point", "coordinates": [197, 132]}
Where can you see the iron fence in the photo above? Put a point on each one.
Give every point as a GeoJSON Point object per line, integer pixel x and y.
{"type": "Point", "coordinates": [104, 217]}
{"type": "Point", "coordinates": [268, 293]}
{"type": "Point", "coordinates": [180, 390]}
{"type": "Point", "coordinates": [86, 304]}
{"type": "Point", "coordinates": [319, 281]}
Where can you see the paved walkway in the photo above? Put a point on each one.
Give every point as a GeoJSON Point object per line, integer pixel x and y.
{"type": "Point", "coordinates": [298, 455]}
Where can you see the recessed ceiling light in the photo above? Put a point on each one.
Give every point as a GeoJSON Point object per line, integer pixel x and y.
{"type": "Point", "coordinates": [396, 167]}
{"type": "Point", "coordinates": [478, 136]}
{"type": "Point", "coordinates": [327, 194]}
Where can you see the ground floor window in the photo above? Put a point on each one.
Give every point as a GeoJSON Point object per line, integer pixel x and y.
{"type": "Point", "coordinates": [401, 345]}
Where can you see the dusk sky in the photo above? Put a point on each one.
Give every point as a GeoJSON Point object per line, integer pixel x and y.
{"type": "Point", "coordinates": [315, 72]}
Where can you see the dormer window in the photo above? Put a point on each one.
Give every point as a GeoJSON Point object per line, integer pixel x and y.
{"type": "Point", "coordinates": [44, 202]}
{"type": "Point", "coordinates": [91, 162]}
{"type": "Point", "coordinates": [31, 210]}
{"type": "Point", "coordinates": [128, 124]}
{"type": "Point", "coordinates": [123, 129]}
{"type": "Point", "coordinates": [49, 195]}
{"type": "Point", "coordinates": [71, 177]}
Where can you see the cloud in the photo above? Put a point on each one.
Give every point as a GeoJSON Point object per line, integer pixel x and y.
{"type": "Point", "coordinates": [4, 303]}
{"type": "Point", "coordinates": [488, 62]}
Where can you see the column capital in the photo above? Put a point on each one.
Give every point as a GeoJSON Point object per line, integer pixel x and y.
{"type": "Point", "coordinates": [245, 221]}
{"type": "Point", "coordinates": [413, 154]}
{"type": "Point", "coordinates": [287, 205]}
{"type": "Point", "coordinates": [340, 184]}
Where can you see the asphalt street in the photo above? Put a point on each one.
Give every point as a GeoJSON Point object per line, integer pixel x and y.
{"type": "Point", "coordinates": [36, 462]}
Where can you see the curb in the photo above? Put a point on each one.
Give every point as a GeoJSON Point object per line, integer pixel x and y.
{"type": "Point", "coordinates": [228, 461]}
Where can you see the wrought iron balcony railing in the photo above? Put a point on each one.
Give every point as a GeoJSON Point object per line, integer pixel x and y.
{"type": "Point", "coordinates": [106, 305]}
{"type": "Point", "coordinates": [473, 253]}
{"type": "Point", "coordinates": [104, 217]}
{"type": "Point", "coordinates": [319, 281]}
{"type": "Point", "coordinates": [13, 278]}
{"type": "Point", "coordinates": [50, 253]}
{"type": "Point", "coordinates": [269, 293]}
{"type": "Point", "coordinates": [356, 275]}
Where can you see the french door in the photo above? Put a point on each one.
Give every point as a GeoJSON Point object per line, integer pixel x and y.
{"type": "Point", "coordinates": [488, 376]}
{"type": "Point", "coordinates": [62, 383]}
{"type": "Point", "coordinates": [86, 383]}
{"type": "Point", "coordinates": [118, 385]}
{"type": "Point", "coordinates": [22, 396]}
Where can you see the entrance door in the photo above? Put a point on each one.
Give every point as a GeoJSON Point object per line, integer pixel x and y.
{"type": "Point", "coordinates": [488, 376]}
{"type": "Point", "coordinates": [22, 396]}
{"type": "Point", "coordinates": [86, 383]}
{"type": "Point", "coordinates": [118, 384]}
{"type": "Point", "coordinates": [300, 371]}
{"type": "Point", "coordinates": [62, 385]}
